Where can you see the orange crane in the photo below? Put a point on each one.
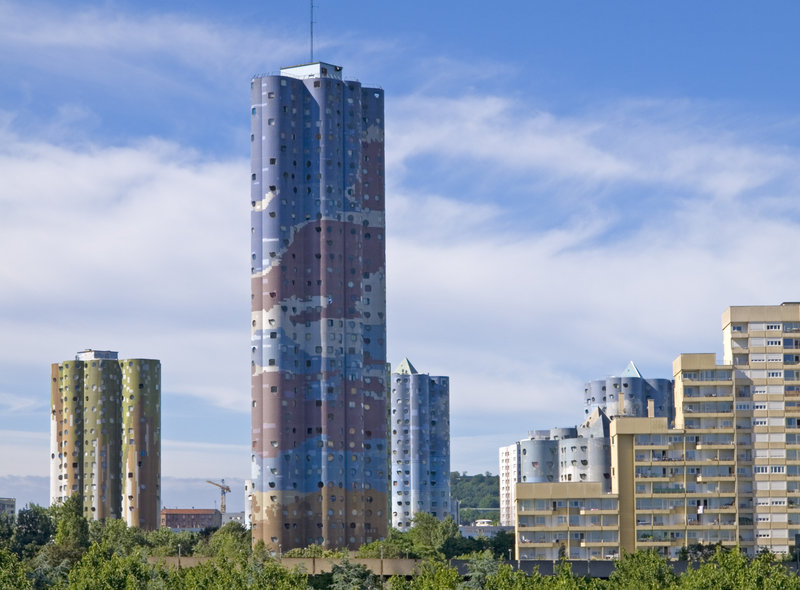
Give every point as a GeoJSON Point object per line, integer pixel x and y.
{"type": "Point", "coordinates": [223, 489]}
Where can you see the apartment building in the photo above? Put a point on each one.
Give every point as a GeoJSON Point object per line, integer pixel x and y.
{"type": "Point", "coordinates": [319, 387]}
{"type": "Point", "coordinates": [509, 476]}
{"type": "Point", "coordinates": [727, 473]}
{"type": "Point", "coordinates": [420, 458]}
{"type": "Point", "coordinates": [582, 453]}
{"type": "Point", "coordinates": [105, 436]}
{"type": "Point", "coordinates": [578, 520]}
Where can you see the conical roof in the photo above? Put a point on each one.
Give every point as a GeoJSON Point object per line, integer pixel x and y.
{"type": "Point", "coordinates": [631, 371]}
{"type": "Point", "coordinates": [405, 368]}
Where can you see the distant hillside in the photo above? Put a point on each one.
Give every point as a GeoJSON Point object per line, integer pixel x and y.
{"type": "Point", "coordinates": [476, 493]}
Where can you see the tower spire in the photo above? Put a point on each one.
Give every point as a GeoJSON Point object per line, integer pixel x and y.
{"type": "Point", "coordinates": [312, 31]}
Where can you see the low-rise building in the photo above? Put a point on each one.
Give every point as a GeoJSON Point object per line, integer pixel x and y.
{"type": "Point", "coordinates": [191, 519]}
{"type": "Point", "coordinates": [8, 506]}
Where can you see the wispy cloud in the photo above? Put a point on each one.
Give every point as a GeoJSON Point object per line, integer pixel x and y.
{"type": "Point", "coordinates": [598, 154]}
{"type": "Point", "coordinates": [529, 250]}
{"type": "Point", "coordinates": [20, 404]}
{"type": "Point", "coordinates": [36, 30]}
{"type": "Point", "coordinates": [667, 225]}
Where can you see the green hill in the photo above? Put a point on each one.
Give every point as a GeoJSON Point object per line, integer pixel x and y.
{"type": "Point", "coordinates": [479, 495]}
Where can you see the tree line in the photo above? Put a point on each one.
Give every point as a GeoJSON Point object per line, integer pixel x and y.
{"type": "Point", "coordinates": [57, 548]}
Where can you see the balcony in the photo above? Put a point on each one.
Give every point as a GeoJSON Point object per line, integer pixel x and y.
{"type": "Point", "coordinates": [715, 478]}
{"type": "Point", "coordinates": [714, 445]}
{"type": "Point", "coordinates": [596, 511]}
{"type": "Point", "coordinates": [601, 544]}
{"type": "Point", "coordinates": [667, 490]}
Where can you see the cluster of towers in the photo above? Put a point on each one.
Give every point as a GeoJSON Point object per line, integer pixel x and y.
{"type": "Point", "coordinates": [321, 453]}
{"type": "Point", "coordinates": [581, 453]}
{"type": "Point", "coordinates": [321, 386]}
{"type": "Point", "coordinates": [710, 458]}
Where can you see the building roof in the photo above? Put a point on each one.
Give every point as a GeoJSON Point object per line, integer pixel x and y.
{"type": "Point", "coordinates": [406, 368]}
{"type": "Point", "coordinates": [189, 510]}
{"type": "Point", "coordinates": [631, 371]}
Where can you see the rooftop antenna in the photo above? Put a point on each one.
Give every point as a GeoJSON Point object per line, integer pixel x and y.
{"type": "Point", "coordinates": [312, 31]}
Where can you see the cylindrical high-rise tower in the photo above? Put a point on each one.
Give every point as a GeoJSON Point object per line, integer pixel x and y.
{"type": "Point", "coordinates": [319, 445]}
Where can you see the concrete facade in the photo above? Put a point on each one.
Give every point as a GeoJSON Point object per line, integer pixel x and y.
{"type": "Point", "coordinates": [420, 445]}
{"type": "Point", "coordinates": [318, 325]}
{"type": "Point", "coordinates": [509, 476]}
{"type": "Point", "coordinates": [629, 394]}
{"type": "Point", "coordinates": [583, 453]}
{"type": "Point", "coordinates": [728, 472]}
{"type": "Point", "coordinates": [8, 506]}
{"type": "Point", "coordinates": [191, 519]}
{"type": "Point", "coordinates": [105, 436]}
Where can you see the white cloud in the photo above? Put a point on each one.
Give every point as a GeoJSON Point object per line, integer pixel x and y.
{"type": "Point", "coordinates": [520, 318]}
{"type": "Point", "coordinates": [667, 213]}
{"type": "Point", "coordinates": [20, 404]}
{"type": "Point", "coordinates": [132, 249]}
{"type": "Point", "coordinates": [120, 39]}
{"type": "Point", "coordinates": [648, 148]}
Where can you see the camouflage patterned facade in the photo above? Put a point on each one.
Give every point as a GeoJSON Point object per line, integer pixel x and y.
{"type": "Point", "coordinates": [420, 459]}
{"type": "Point", "coordinates": [319, 382]}
{"type": "Point", "coordinates": [106, 436]}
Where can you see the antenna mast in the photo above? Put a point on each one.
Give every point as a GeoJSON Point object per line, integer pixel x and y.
{"type": "Point", "coordinates": [312, 31]}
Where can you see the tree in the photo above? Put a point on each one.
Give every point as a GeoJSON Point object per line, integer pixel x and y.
{"type": "Point", "coordinates": [476, 491]}
{"type": "Point", "coordinates": [231, 541]}
{"type": "Point", "coordinates": [166, 543]}
{"type": "Point", "coordinates": [433, 574]}
{"type": "Point", "coordinates": [353, 576]}
{"type": "Point", "coordinates": [270, 574]}
{"type": "Point", "coordinates": [12, 574]}
{"type": "Point", "coordinates": [101, 570]}
{"type": "Point", "coordinates": [217, 574]}
{"type": "Point", "coordinates": [508, 579]}
{"type": "Point", "coordinates": [501, 543]}
{"type": "Point", "coordinates": [316, 551]}
{"type": "Point", "coordinates": [428, 534]}
{"type": "Point", "coordinates": [564, 579]}
{"type": "Point", "coordinates": [34, 529]}
{"type": "Point", "coordinates": [480, 568]}
{"type": "Point", "coordinates": [456, 546]}
{"type": "Point", "coordinates": [643, 570]}
{"type": "Point", "coordinates": [72, 530]}
{"type": "Point", "coordinates": [115, 536]}
{"type": "Point", "coordinates": [729, 570]}
{"type": "Point", "coordinates": [6, 529]}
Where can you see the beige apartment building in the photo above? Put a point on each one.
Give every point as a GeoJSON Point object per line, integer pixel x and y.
{"type": "Point", "coordinates": [727, 471]}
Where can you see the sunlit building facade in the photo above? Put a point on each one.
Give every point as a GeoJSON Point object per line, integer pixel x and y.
{"type": "Point", "coordinates": [318, 325]}
{"type": "Point", "coordinates": [420, 451]}
{"type": "Point", "coordinates": [582, 453]}
{"type": "Point", "coordinates": [105, 436]}
{"type": "Point", "coordinates": [727, 473]}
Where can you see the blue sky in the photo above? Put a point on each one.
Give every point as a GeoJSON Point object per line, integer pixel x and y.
{"type": "Point", "coordinates": [570, 186]}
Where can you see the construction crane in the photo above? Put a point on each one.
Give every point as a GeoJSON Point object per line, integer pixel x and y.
{"type": "Point", "coordinates": [223, 489]}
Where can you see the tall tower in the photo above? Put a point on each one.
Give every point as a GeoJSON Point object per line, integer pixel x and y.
{"type": "Point", "coordinates": [105, 436]}
{"type": "Point", "coordinates": [319, 448]}
{"type": "Point", "coordinates": [420, 463]}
